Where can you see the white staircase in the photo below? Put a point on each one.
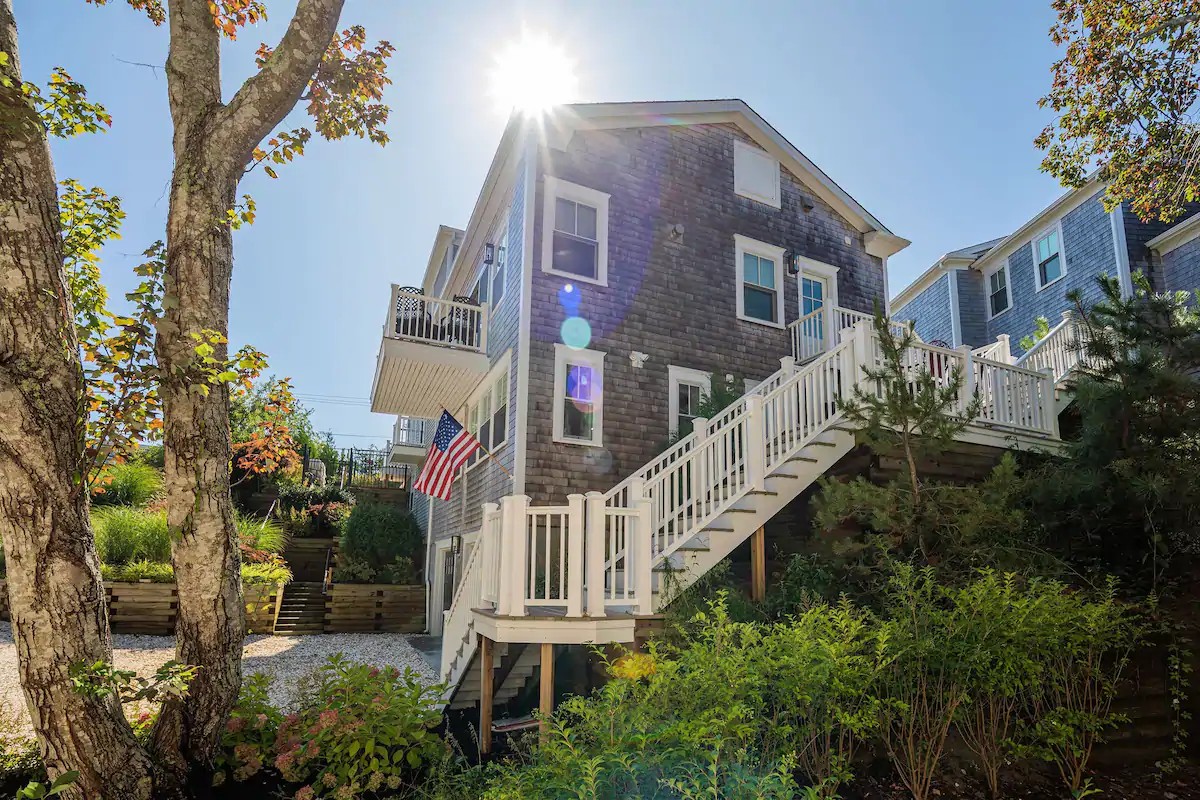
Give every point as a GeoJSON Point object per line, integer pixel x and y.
{"type": "Point", "coordinates": [599, 561]}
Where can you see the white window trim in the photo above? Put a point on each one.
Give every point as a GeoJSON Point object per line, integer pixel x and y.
{"type": "Point", "coordinates": [501, 230]}
{"type": "Point", "coordinates": [563, 356]}
{"type": "Point", "coordinates": [987, 285]}
{"type": "Point", "coordinates": [1062, 256]}
{"type": "Point", "coordinates": [488, 384]}
{"type": "Point", "coordinates": [555, 188]}
{"type": "Point", "coordinates": [754, 152]}
{"type": "Point", "coordinates": [692, 377]}
{"type": "Point", "coordinates": [743, 245]}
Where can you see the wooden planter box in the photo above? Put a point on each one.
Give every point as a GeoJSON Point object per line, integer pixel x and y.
{"type": "Point", "coordinates": [150, 608]}
{"type": "Point", "coordinates": [374, 607]}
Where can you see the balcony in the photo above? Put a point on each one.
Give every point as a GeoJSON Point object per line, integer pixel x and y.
{"type": "Point", "coordinates": [410, 439]}
{"type": "Point", "coordinates": [433, 353]}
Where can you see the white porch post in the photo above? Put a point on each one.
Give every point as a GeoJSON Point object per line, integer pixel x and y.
{"type": "Point", "coordinates": [788, 365]}
{"type": "Point", "coordinates": [756, 449]}
{"type": "Point", "coordinates": [575, 554]}
{"type": "Point", "coordinates": [594, 545]}
{"type": "Point", "coordinates": [967, 391]}
{"type": "Point", "coordinates": [1050, 406]}
{"type": "Point", "coordinates": [642, 550]}
{"type": "Point", "coordinates": [514, 520]}
{"type": "Point", "coordinates": [484, 324]}
{"type": "Point", "coordinates": [488, 533]}
{"type": "Point", "coordinates": [862, 333]}
{"type": "Point", "coordinates": [1005, 349]}
{"type": "Point", "coordinates": [389, 322]}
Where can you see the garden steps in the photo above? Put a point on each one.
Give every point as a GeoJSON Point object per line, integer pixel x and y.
{"type": "Point", "coordinates": [302, 610]}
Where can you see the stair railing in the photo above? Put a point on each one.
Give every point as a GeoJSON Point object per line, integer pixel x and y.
{"type": "Point", "coordinates": [1058, 350]}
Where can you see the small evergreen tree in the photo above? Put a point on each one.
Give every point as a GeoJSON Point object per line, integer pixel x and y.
{"type": "Point", "coordinates": [1130, 475]}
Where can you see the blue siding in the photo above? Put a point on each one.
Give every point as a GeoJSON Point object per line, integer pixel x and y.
{"type": "Point", "coordinates": [930, 310]}
{"type": "Point", "coordinates": [972, 308]}
{"type": "Point", "coordinates": [1181, 267]}
{"type": "Point", "coordinates": [1089, 250]}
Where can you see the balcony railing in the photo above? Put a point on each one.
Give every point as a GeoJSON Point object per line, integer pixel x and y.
{"type": "Point", "coordinates": [413, 431]}
{"type": "Point", "coordinates": [417, 317]}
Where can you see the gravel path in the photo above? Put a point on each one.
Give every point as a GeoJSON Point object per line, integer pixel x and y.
{"type": "Point", "coordinates": [287, 659]}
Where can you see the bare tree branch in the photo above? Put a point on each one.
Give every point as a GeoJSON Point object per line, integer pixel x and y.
{"type": "Point", "coordinates": [265, 99]}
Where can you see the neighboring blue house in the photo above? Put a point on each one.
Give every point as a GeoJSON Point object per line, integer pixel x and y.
{"type": "Point", "coordinates": [971, 296]}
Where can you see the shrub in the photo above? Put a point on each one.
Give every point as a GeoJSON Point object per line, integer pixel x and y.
{"type": "Point", "coordinates": [360, 729]}
{"type": "Point", "coordinates": [270, 572]}
{"type": "Point", "coordinates": [378, 534]}
{"type": "Point", "coordinates": [1087, 642]}
{"type": "Point", "coordinates": [923, 683]}
{"type": "Point", "coordinates": [130, 484]}
{"type": "Point", "coordinates": [250, 733]}
{"type": "Point", "coordinates": [313, 510]}
{"type": "Point", "coordinates": [134, 571]}
{"type": "Point", "coordinates": [125, 534]}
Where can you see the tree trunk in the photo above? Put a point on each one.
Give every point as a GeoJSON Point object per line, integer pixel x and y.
{"type": "Point", "coordinates": [55, 591]}
{"type": "Point", "coordinates": [212, 143]}
{"type": "Point", "coordinates": [210, 624]}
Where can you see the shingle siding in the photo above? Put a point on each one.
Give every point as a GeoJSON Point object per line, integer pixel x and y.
{"type": "Point", "coordinates": [673, 299]}
{"type": "Point", "coordinates": [485, 482]}
{"type": "Point", "coordinates": [930, 310]}
{"type": "Point", "coordinates": [1138, 232]}
{"type": "Point", "coordinates": [1181, 267]}
{"type": "Point", "coordinates": [972, 307]}
{"type": "Point", "coordinates": [1088, 247]}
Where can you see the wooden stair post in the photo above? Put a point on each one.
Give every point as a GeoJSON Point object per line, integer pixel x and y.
{"type": "Point", "coordinates": [758, 565]}
{"type": "Point", "coordinates": [485, 695]}
{"type": "Point", "coordinates": [546, 689]}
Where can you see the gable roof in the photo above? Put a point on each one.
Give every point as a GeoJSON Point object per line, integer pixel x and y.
{"type": "Point", "coordinates": [561, 122]}
{"type": "Point", "coordinates": [564, 120]}
{"type": "Point", "coordinates": [955, 259]}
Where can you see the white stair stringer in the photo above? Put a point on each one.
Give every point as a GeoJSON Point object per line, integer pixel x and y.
{"type": "Point", "coordinates": [735, 526]}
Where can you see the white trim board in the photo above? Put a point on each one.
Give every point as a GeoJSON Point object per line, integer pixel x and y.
{"type": "Point", "coordinates": [1175, 237]}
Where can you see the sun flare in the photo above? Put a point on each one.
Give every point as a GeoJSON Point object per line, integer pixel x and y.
{"type": "Point", "coordinates": [532, 75]}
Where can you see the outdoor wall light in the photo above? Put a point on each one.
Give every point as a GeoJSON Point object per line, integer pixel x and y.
{"type": "Point", "coordinates": [489, 253]}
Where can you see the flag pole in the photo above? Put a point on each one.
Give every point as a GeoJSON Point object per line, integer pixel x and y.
{"type": "Point", "coordinates": [484, 449]}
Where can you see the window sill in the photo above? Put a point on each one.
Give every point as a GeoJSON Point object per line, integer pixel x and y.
{"type": "Point", "coordinates": [761, 200]}
{"type": "Point", "coordinates": [999, 314]}
{"type": "Point", "coordinates": [762, 322]}
{"type": "Point", "coordinates": [601, 281]}
{"type": "Point", "coordinates": [1051, 283]}
{"type": "Point", "coordinates": [578, 442]}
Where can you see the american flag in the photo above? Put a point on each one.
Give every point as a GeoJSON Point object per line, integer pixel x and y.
{"type": "Point", "coordinates": [452, 445]}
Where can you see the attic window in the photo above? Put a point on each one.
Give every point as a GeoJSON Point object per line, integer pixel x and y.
{"type": "Point", "coordinates": [755, 174]}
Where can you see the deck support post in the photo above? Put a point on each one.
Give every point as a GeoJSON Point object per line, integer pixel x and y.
{"type": "Point", "coordinates": [758, 565]}
{"type": "Point", "coordinates": [546, 689]}
{"type": "Point", "coordinates": [486, 696]}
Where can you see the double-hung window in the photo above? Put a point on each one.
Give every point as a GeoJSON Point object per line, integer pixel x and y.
{"type": "Point", "coordinates": [688, 389]}
{"type": "Point", "coordinates": [578, 396]}
{"type": "Point", "coordinates": [1047, 254]}
{"type": "Point", "coordinates": [575, 232]}
{"type": "Point", "coordinates": [487, 412]}
{"type": "Point", "coordinates": [998, 299]}
{"type": "Point", "coordinates": [760, 281]}
{"type": "Point", "coordinates": [499, 270]}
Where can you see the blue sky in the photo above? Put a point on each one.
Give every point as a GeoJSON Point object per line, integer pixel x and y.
{"type": "Point", "coordinates": [924, 111]}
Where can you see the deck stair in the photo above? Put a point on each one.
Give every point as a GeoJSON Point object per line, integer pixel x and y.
{"type": "Point", "coordinates": [302, 610]}
{"type": "Point", "coordinates": [587, 570]}
{"type": "Point", "coordinates": [514, 664]}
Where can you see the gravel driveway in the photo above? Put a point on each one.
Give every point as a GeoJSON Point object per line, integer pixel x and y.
{"type": "Point", "coordinates": [285, 658]}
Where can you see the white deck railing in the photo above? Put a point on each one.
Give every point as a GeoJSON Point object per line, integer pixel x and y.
{"type": "Point", "coordinates": [824, 328]}
{"type": "Point", "coordinates": [413, 431]}
{"type": "Point", "coordinates": [416, 317]}
{"type": "Point", "coordinates": [598, 551]}
{"type": "Point", "coordinates": [998, 350]}
{"type": "Point", "coordinates": [1058, 351]}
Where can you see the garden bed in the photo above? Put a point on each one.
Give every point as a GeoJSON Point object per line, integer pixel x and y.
{"type": "Point", "coordinates": [367, 607]}
{"type": "Point", "coordinates": [150, 608]}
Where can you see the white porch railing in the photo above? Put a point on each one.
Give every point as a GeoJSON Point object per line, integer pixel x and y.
{"type": "Point", "coordinates": [413, 431]}
{"type": "Point", "coordinates": [1058, 351]}
{"type": "Point", "coordinates": [998, 350]}
{"type": "Point", "coordinates": [598, 552]}
{"type": "Point", "coordinates": [432, 320]}
{"type": "Point", "coordinates": [824, 328]}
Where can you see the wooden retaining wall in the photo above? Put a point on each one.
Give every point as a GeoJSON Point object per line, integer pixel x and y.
{"type": "Point", "coordinates": [150, 608]}
{"type": "Point", "coordinates": [375, 607]}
